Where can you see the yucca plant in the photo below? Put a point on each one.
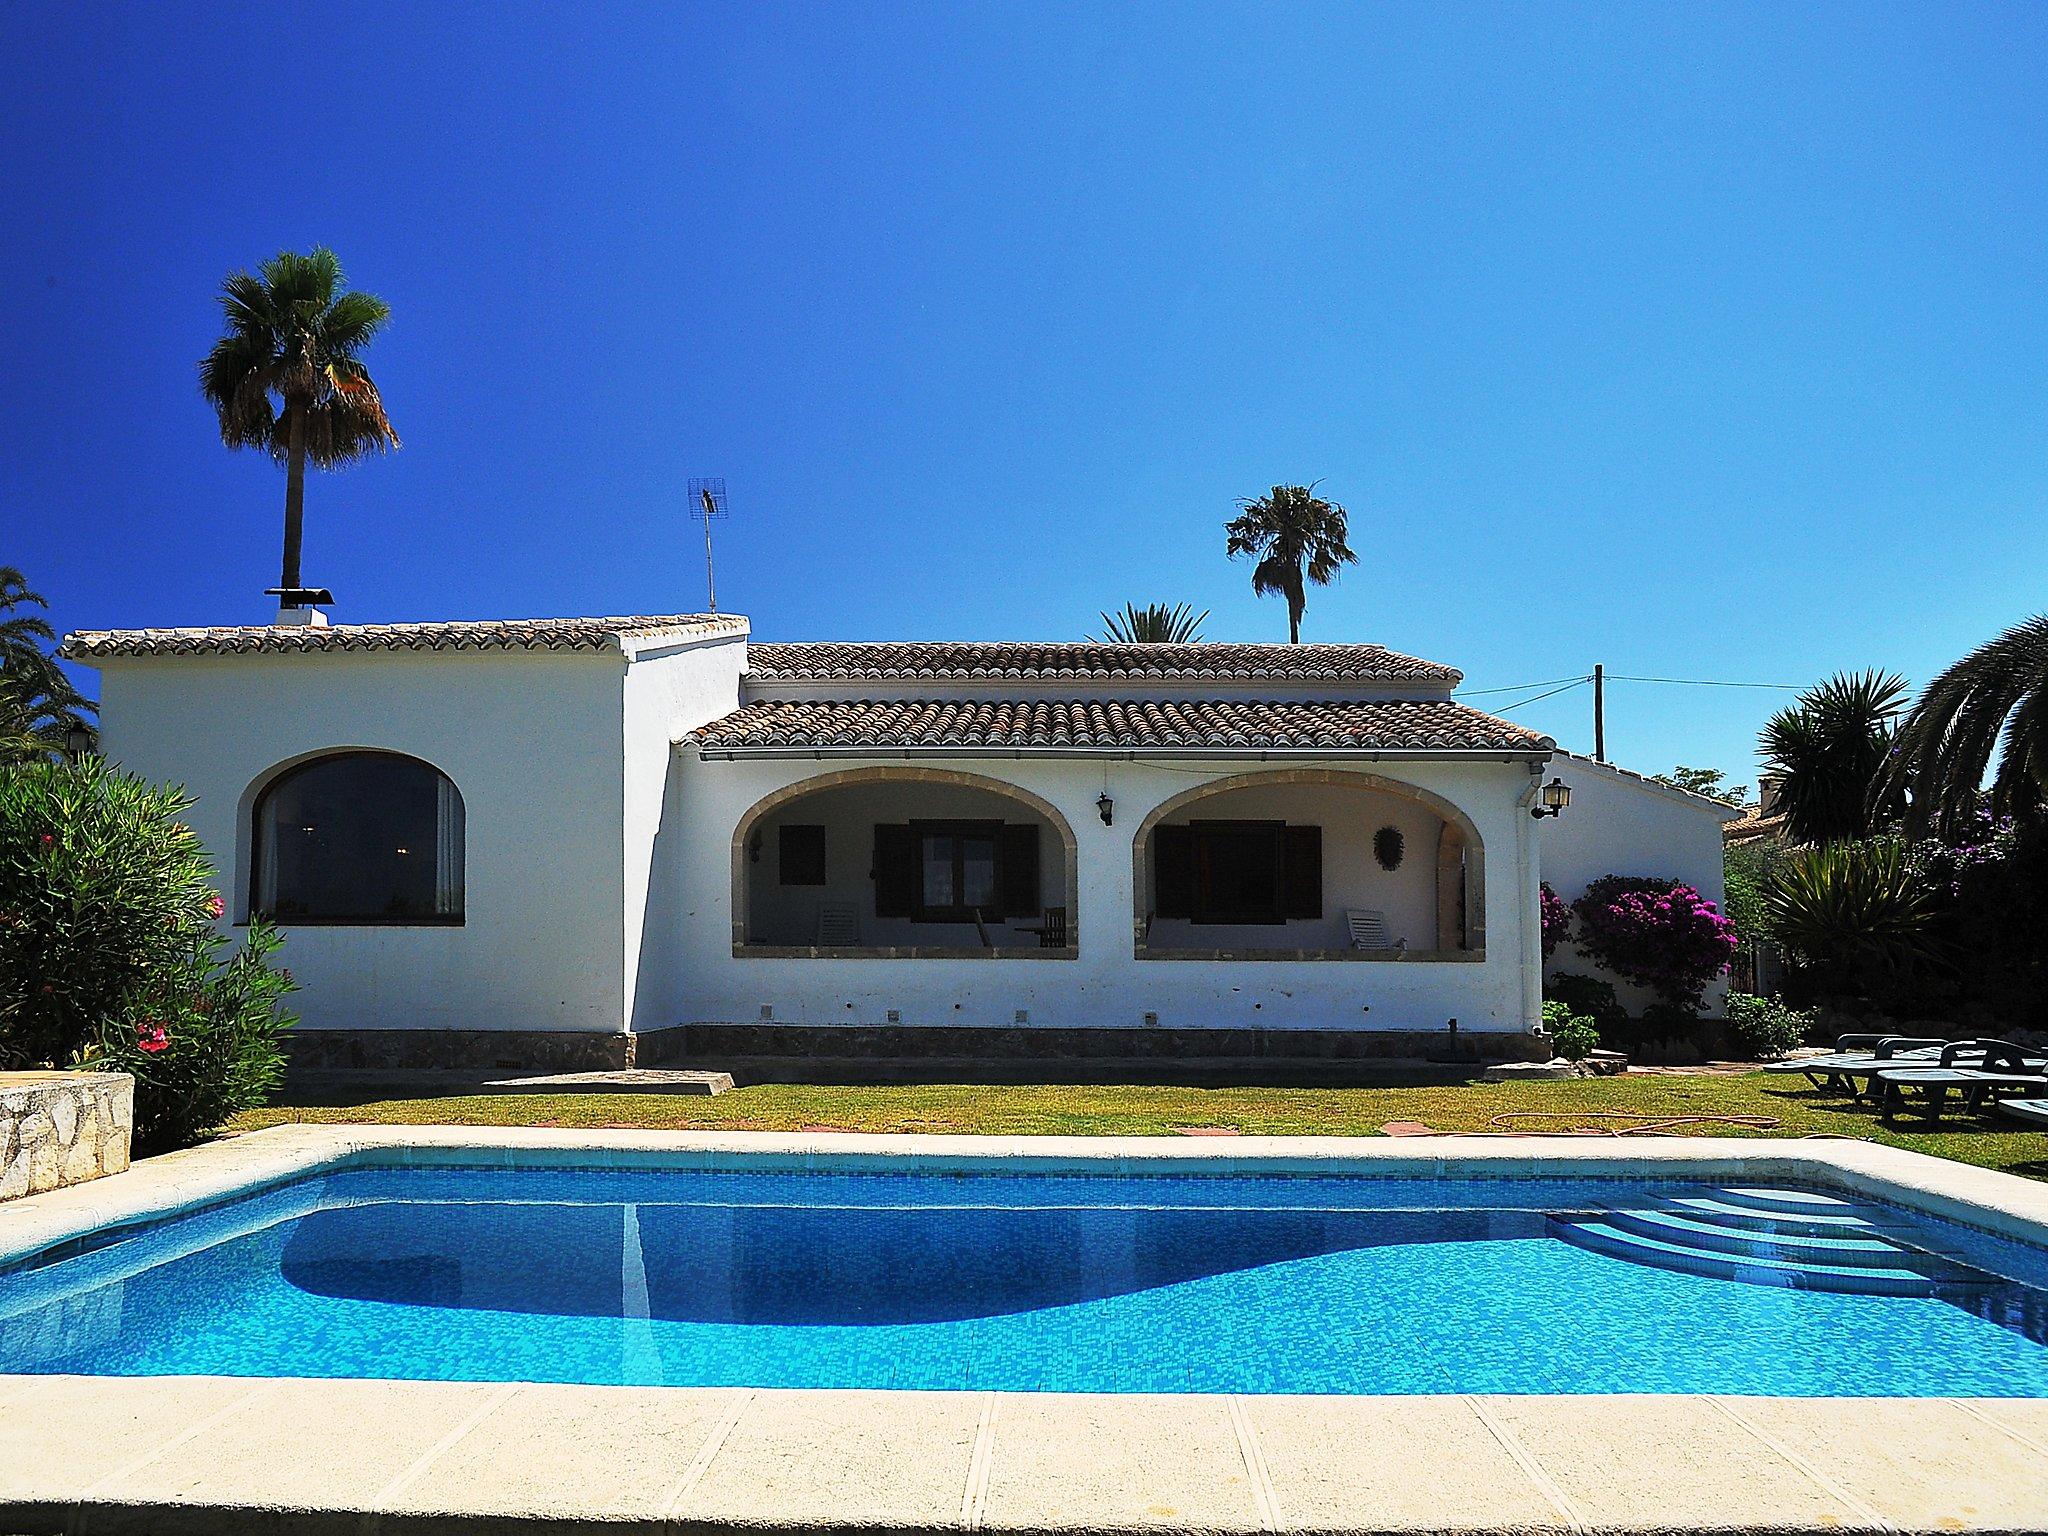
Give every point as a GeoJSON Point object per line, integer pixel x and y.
{"type": "Point", "coordinates": [1156, 624]}
{"type": "Point", "coordinates": [287, 375]}
{"type": "Point", "coordinates": [1853, 911]}
{"type": "Point", "coordinates": [1830, 753]}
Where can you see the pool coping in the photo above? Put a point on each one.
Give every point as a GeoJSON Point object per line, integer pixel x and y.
{"type": "Point", "coordinates": [175, 1454]}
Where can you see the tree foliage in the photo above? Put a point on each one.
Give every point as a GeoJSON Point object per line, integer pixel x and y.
{"type": "Point", "coordinates": [287, 375]}
{"type": "Point", "coordinates": [1710, 782]}
{"type": "Point", "coordinates": [1830, 753]}
{"type": "Point", "coordinates": [38, 705]}
{"type": "Point", "coordinates": [1296, 537]}
{"type": "Point", "coordinates": [1991, 704]}
{"type": "Point", "coordinates": [1155, 624]}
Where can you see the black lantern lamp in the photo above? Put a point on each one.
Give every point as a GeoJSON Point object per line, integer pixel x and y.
{"type": "Point", "coordinates": [77, 740]}
{"type": "Point", "coordinates": [1556, 796]}
{"type": "Point", "coordinates": [1104, 807]}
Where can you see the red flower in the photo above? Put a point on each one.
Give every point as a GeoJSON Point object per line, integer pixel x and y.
{"type": "Point", "coordinates": [49, 838]}
{"type": "Point", "coordinates": [151, 1039]}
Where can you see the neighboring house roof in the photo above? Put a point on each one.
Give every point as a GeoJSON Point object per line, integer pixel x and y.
{"type": "Point", "coordinates": [1753, 826]}
{"type": "Point", "coordinates": [1655, 786]}
{"type": "Point", "coordinates": [933, 660]}
{"type": "Point", "coordinates": [460, 635]}
{"type": "Point", "coordinates": [1049, 724]}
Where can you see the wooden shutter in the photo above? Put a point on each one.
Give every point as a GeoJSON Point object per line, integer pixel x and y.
{"type": "Point", "coordinates": [1173, 871]}
{"type": "Point", "coordinates": [895, 871]}
{"type": "Point", "coordinates": [1301, 871]}
{"type": "Point", "coordinates": [1017, 866]}
{"type": "Point", "coordinates": [800, 855]}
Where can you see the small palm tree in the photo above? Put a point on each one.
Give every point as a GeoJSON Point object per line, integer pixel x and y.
{"type": "Point", "coordinates": [1297, 537]}
{"type": "Point", "coordinates": [1829, 753]}
{"type": "Point", "coordinates": [1994, 702]}
{"type": "Point", "coordinates": [39, 708]}
{"type": "Point", "coordinates": [287, 376]}
{"type": "Point", "coordinates": [1154, 625]}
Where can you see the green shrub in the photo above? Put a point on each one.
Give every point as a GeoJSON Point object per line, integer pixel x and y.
{"type": "Point", "coordinates": [109, 956]}
{"type": "Point", "coordinates": [1572, 1036]}
{"type": "Point", "coordinates": [1854, 913]}
{"type": "Point", "coordinates": [1586, 995]}
{"type": "Point", "coordinates": [1763, 1026]}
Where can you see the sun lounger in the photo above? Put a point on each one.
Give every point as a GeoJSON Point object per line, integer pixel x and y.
{"type": "Point", "coordinates": [2033, 1111]}
{"type": "Point", "coordinates": [1978, 1070]}
{"type": "Point", "coordinates": [1844, 1065]}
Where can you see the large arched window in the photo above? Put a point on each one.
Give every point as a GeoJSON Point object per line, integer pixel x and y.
{"type": "Point", "coordinates": [358, 837]}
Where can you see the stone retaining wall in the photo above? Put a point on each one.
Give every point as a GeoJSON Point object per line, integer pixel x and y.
{"type": "Point", "coordinates": [59, 1128]}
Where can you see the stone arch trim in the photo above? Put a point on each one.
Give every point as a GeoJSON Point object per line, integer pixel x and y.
{"type": "Point", "coordinates": [1452, 814]}
{"type": "Point", "coordinates": [904, 774]}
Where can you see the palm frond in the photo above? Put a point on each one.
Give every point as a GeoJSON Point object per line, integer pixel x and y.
{"type": "Point", "coordinates": [1297, 537]}
{"type": "Point", "coordinates": [1989, 705]}
{"type": "Point", "coordinates": [1156, 624]}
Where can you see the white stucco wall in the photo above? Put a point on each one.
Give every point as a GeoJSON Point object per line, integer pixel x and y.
{"type": "Point", "coordinates": [705, 982]}
{"type": "Point", "coordinates": [1620, 824]}
{"type": "Point", "coordinates": [532, 742]}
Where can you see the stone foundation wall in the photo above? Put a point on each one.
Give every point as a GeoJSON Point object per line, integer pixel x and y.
{"type": "Point", "coordinates": [59, 1128]}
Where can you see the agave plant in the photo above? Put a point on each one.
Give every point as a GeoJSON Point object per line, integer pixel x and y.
{"type": "Point", "coordinates": [1994, 702]}
{"type": "Point", "coordinates": [1830, 753]}
{"type": "Point", "coordinates": [1850, 909]}
{"type": "Point", "coordinates": [1154, 625]}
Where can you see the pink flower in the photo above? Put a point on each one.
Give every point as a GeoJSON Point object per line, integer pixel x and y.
{"type": "Point", "coordinates": [215, 906]}
{"type": "Point", "coordinates": [49, 839]}
{"type": "Point", "coordinates": [152, 1039]}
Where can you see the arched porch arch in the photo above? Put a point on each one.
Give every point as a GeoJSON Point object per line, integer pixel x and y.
{"type": "Point", "coordinates": [1460, 852]}
{"type": "Point", "coordinates": [892, 774]}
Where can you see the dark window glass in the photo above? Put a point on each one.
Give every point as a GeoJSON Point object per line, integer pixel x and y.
{"type": "Point", "coordinates": [364, 837]}
{"type": "Point", "coordinates": [1237, 871]}
{"type": "Point", "coordinates": [802, 856]}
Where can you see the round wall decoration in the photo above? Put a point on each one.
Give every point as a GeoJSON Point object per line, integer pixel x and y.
{"type": "Point", "coordinates": [1387, 846]}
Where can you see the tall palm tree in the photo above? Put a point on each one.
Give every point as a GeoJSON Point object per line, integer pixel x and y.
{"type": "Point", "coordinates": [1829, 753]}
{"type": "Point", "coordinates": [1155, 624]}
{"type": "Point", "coordinates": [1297, 537]}
{"type": "Point", "coordinates": [1992, 702]}
{"type": "Point", "coordinates": [287, 376]}
{"type": "Point", "coordinates": [38, 706]}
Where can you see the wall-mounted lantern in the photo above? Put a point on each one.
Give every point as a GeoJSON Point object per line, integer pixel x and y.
{"type": "Point", "coordinates": [77, 740]}
{"type": "Point", "coordinates": [1104, 807]}
{"type": "Point", "coordinates": [1556, 796]}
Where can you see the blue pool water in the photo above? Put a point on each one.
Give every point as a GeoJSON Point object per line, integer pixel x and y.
{"type": "Point", "coordinates": [1239, 1284]}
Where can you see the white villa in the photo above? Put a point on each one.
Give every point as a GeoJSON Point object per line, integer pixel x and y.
{"type": "Point", "coordinates": [581, 843]}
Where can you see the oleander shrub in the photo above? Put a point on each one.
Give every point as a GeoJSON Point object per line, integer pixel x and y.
{"type": "Point", "coordinates": [1572, 1036]}
{"type": "Point", "coordinates": [1764, 1026]}
{"type": "Point", "coordinates": [1660, 934]}
{"type": "Point", "coordinates": [110, 956]}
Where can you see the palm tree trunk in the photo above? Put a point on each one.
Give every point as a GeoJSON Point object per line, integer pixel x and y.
{"type": "Point", "coordinates": [1297, 600]}
{"type": "Point", "coordinates": [294, 493]}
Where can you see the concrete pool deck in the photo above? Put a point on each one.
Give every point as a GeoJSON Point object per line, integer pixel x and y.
{"type": "Point", "coordinates": [205, 1454]}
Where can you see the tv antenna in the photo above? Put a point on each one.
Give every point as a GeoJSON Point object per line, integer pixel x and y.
{"type": "Point", "coordinates": [708, 494]}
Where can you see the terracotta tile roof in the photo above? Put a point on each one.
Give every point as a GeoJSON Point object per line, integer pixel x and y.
{"type": "Point", "coordinates": [461, 635]}
{"type": "Point", "coordinates": [1393, 725]}
{"type": "Point", "coordinates": [930, 660]}
{"type": "Point", "coordinates": [1753, 826]}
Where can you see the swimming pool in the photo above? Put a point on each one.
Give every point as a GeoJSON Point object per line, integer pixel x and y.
{"type": "Point", "coordinates": [1254, 1283]}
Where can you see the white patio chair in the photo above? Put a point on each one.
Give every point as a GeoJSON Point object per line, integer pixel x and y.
{"type": "Point", "coordinates": [1369, 930]}
{"type": "Point", "coordinates": [838, 924]}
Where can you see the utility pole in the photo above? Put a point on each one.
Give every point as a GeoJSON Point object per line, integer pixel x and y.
{"type": "Point", "coordinates": [1599, 713]}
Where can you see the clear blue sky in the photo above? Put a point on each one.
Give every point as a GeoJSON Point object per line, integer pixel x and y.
{"type": "Point", "coordinates": [1700, 341]}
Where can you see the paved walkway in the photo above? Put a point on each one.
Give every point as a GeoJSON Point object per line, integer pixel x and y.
{"type": "Point", "coordinates": [206, 1454]}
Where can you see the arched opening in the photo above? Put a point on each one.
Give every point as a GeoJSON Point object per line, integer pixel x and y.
{"type": "Point", "coordinates": [903, 863]}
{"type": "Point", "coordinates": [1309, 863]}
{"type": "Point", "coordinates": [358, 838]}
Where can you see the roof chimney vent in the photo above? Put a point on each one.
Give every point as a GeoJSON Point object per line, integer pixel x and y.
{"type": "Point", "coordinates": [301, 605]}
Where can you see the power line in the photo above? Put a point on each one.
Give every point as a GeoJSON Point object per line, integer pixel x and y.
{"type": "Point", "coordinates": [1701, 682]}
{"type": "Point", "coordinates": [1473, 693]}
{"type": "Point", "coordinates": [1577, 682]}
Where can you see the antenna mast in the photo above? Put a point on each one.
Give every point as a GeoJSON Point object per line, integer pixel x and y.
{"type": "Point", "coordinates": [709, 495]}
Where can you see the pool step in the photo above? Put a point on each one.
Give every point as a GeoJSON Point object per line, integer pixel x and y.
{"type": "Point", "coordinates": [1770, 1237]}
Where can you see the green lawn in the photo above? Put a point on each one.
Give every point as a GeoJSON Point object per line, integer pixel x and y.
{"type": "Point", "coordinates": [1153, 1111]}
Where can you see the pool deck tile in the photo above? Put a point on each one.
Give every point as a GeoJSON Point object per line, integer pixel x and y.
{"type": "Point", "coordinates": [71, 1434]}
{"type": "Point", "coordinates": [811, 1458]}
{"type": "Point", "coordinates": [608, 1453]}
{"type": "Point", "coordinates": [1923, 1465]}
{"type": "Point", "coordinates": [351, 1441]}
{"type": "Point", "coordinates": [1410, 1463]}
{"type": "Point", "coordinates": [1076, 1461]}
{"type": "Point", "coordinates": [1675, 1463]}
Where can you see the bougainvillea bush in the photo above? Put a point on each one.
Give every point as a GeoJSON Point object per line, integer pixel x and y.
{"type": "Point", "coordinates": [1557, 919]}
{"type": "Point", "coordinates": [110, 957]}
{"type": "Point", "coordinates": [1660, 934]}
